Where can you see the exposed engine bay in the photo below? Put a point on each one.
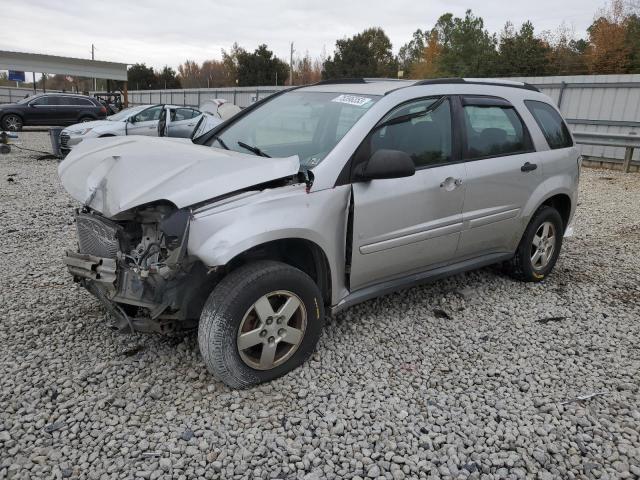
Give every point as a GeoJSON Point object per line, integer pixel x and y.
{"type": "Point", "coordinates": [137, 266]}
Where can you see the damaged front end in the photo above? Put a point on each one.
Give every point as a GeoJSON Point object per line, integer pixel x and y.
{"type": "Point", "coordinates": [137, 265]}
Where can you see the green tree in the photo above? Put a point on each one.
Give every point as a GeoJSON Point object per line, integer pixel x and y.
{"type": "Point", "coordinates": [632, 26]}
{"type": "Point", "coordinates": [367, 54]}
{"type": "Point", "coordinates": [521, 53]}
{"type": "Point", "coordinates": [412, 52]}
{"type": "Point", "coordinates": [468, 49]}
{"type": "Point", "coordinates": [190, 75]}
{"type": "Point", "coordinates": [167, 78]}
{"type": "Point", "coordinates": [230, 60]}
{"type": "Point", "coordinates": [141, 77]}
{"type": "Point", "coordinates": [261, 68]}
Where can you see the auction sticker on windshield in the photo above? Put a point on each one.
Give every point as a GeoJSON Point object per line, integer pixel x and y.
{"type": "Point", "coordinates": [352, 100]}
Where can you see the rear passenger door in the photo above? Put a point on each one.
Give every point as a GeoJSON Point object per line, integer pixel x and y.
{"type": "Point", "coordinates": [182, 122]}
{"type": "Point", "coordinates": [501, 171]}
{"type": "Point", "coordinates": [410, 224]}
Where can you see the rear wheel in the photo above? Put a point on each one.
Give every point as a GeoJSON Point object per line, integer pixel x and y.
{"type": "Point", "coordinates": [539, 248]}
{"type": "Point", "coordinates": [260, 322]}
{"type": "Point", "coordinates": [12, 122]}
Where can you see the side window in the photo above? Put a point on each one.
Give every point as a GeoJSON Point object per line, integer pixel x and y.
{"type": "Point", "coordinates": [41, 101]}
{"type": "Point", "coordinates": [152, 113]}
{"type": "Point", "coordinates": [493, 131]}
{"type": "Point", "coordinates": [182, 114]}
{"type": "Point", "coordinates": [68, 101]}
{"type": "Point", "coordinates": [56, 100]}
{"type": "Point", "coordinates": [550, 122]}
{"type": "Point", "coordinates": [422, 129]}
{"type": "Point", "coordinates": [80, 102]}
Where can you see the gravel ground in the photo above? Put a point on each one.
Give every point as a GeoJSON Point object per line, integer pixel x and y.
{"type": "Point", "coordinates": [477, 376]}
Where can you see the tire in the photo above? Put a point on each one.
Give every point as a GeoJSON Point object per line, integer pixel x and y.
{"type": "Point", "coordinates": [12, 122]}
{"type": "Point", "coordinates": [533, 264]}
{"type": "Point", "coordinates": [86, 119]}
{"type": "Point", "coordinates": [231, 308]}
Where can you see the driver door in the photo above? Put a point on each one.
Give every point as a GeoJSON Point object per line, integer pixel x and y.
{"type": "Point", "coordinates": [407, 225]}
{"type": "Point", "coordinates": [145, 122]}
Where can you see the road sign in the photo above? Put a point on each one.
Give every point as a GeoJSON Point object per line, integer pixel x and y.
{"type": "Point", "coordinates": [16, 76]}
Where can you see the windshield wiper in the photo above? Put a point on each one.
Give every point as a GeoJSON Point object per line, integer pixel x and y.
{"type": "Point", "coordinates": [221, 142]}
{"type": "Point", "coordinates": [255, 150]}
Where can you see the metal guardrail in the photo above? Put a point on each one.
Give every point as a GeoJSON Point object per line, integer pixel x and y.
{"type": "Point", "coordinates": [628, 141]}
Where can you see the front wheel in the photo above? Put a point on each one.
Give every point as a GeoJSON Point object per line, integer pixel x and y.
{"type": "Point", "coordinates": [12, 123]}
{"type": "Point", "coordinates": [260, 322]}
{"type": "Point", "coordinates": [539, 248]}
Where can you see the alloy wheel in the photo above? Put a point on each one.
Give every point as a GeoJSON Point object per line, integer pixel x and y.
{"type": "Point", "coordinates": [13, 123]}
{"type": "Point", "coordinates": [543, 246]}
{"type": "Point", "coordinates": [272, 330]}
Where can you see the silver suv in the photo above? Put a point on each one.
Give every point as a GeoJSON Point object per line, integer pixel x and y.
{"type": "Point", "coordinates": [313, 200]}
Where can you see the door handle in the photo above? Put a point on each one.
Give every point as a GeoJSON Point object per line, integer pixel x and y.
{"type": "Point", "coordinates": [451, 183]}
{"type": "Point", "coordinates": [528, 167]}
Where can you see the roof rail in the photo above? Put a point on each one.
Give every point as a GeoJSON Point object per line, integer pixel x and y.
{"type": "Point", "coordinates": [337, 81]}
{"type": "Point", "coordinates": [440, 81]}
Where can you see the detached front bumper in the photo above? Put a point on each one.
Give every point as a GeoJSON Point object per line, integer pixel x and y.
{"type": "Point", "coordinates": [90, 267]}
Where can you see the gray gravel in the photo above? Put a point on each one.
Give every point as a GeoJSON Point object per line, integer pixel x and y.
{"type": "Point", "coordinates": [465, 378]}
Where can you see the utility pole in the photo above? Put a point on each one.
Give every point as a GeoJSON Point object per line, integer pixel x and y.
{"type": "Point", "coordinates": [93, 57]}
{"type": "Point", "coordinates": [291, 65]}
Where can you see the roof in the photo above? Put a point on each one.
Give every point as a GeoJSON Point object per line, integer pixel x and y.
{"type": "Point", "coordinates": [381, 86]}
{"type": "Point", "coordinates": [370, 86]}
{"type": "Point", "coordinates": [36, 62]}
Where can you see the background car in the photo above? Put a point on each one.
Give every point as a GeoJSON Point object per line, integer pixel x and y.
{"type": "Point", "coordinates": [51, 109]}
{"type": "Point", "coordinates": [139, 120]}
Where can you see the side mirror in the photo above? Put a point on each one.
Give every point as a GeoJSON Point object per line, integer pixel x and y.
{"type": "Point", "coordinates": [132, 119]}
{"type": "Point", "coordinates": [386, 164]}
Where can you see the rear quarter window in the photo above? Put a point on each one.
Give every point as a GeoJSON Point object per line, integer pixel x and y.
{"type": "Point", "coordinates": [553, 127]}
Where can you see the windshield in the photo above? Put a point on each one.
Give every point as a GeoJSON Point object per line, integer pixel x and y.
{"type": "Point", "coordinates": [303, 123]}
{"type": "Point", "coordinates": [126, 113]}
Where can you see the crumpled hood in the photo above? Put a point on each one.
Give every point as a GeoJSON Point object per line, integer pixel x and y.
{"type": "Point", "coordinates": [112, 175]}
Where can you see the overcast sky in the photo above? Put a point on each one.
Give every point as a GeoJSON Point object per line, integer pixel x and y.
{"type": "Point", "coordinates": [158, 32]}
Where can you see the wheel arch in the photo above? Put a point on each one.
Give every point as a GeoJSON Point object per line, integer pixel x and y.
{"type": "Point", "coordinates": [297, 252]}
{"type": "Point", "coordinates": [555, 192]}
{"type": "Point", "coordinates": [562, 203]}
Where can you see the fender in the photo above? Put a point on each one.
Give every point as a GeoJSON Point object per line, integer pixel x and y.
{"type": "Point", "coordinates": [556, 185]}
{"type": "Point", "coordinates": [220, 232]}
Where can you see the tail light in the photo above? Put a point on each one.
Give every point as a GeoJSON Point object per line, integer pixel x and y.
{"type": "Point", "coordinates": [103, 109]}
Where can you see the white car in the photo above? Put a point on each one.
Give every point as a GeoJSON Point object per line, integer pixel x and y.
{"type": "Point", "coordinates": [178, 121]}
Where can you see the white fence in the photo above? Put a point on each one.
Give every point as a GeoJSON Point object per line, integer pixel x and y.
{"type": "Point", "coordinates": [12, 94]}
{"type": "Point", "coordinates": [241, 96]}
{"type": "Point", "coordinates": [596, 104]}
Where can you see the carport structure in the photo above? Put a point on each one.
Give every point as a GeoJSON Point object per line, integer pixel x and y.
{"type": "Point", "coordinates": [41, 63]}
